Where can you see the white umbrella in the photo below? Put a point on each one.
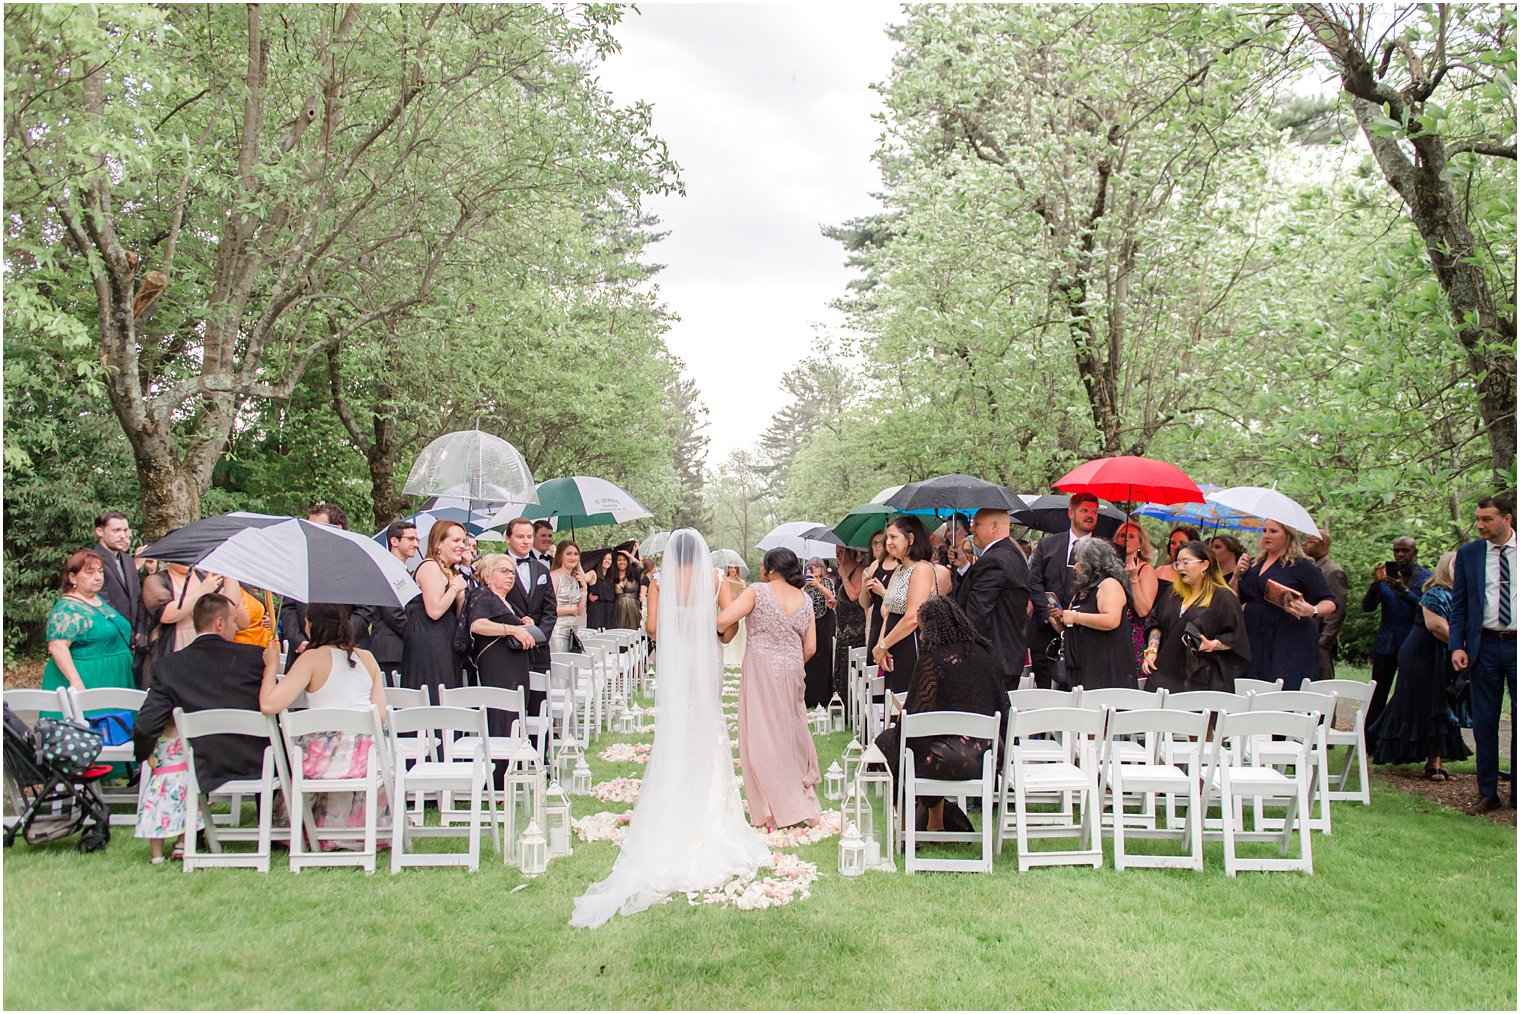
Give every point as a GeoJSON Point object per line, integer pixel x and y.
{"type": "Point", "coordinates": [313, 563]}
{"type": "Point", "coordinates": [654, 545]}
{"type": "Point", "coordinates": [1267, 504]}
{"type": "Point", "coordinates": [884, 494]}
{"type": "Point", "coordinates": [792, 535]}
{"type": "Point", "coordinates": [726, 558]}
{"type": "Point", "coordinates": [474, 465]}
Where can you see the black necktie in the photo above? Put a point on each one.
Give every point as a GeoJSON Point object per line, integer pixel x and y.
{"type": "Point", "coordinates": [1504, 606]}
{"type": "Point", "coordinates": [121, 565]}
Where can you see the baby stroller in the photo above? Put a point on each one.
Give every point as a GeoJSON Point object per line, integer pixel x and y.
{"type": "Point", "coordinates": [50, 776]}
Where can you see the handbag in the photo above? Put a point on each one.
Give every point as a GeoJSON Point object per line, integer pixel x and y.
{"type": "Point", "coordinates": [67, 747]}
{"type": "Point", "coordinates": [464, 641]}
{"type": "Point", "coordinates": [113, 727]}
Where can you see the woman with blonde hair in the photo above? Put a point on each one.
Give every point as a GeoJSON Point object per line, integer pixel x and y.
{"type": "Point", "coordinates": [1415, 725]}
{"type": "Point", "coordinates": [1196, 635]}
{"type": "Point", "coordinates": [1282, 591]}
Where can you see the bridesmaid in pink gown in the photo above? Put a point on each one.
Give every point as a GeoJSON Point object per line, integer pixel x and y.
{"type": "Point", "coordinates": [776, 749]}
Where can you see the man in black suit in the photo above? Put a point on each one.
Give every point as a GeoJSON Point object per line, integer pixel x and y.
{"type": "Point", "coordinates": [379, 629]}
{"type": "Point", "coordinates": [113, 542]}
{"type": "Point", "coordinates": [532, 595]}
{"type": "Point", "coordinates": [211, 671]}
{"type": "Point", "coordinates": [1050, 574]}
{"type": "Point", "coordinates": [994, 592]}
{"type": "Point", "coordinates": [543, 543]}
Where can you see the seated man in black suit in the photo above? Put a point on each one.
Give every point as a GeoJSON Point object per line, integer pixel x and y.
{"type": "Point", "coordinates": [211, 671]}
{"type": "Point", "coordinates": [994, 593]}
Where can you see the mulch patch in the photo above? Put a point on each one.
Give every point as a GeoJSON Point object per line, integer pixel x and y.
{"type": "Point", "coordinates": [24, 675]}
{"type": "Point", "coordinates": [1458, 794]}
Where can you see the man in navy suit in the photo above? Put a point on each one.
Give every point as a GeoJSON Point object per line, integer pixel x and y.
{"type": "Point", "coordinates": [1483, 637]}
{"type": "Point", "coordinates": [1050, 574]}
{"type": "Point", "coordinates": [994, 592]}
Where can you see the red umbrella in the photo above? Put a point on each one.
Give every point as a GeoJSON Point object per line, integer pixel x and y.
{"type": "Point", "coordinates": [1130, 478]}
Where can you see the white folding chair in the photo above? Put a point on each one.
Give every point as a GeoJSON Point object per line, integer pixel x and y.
{"type": "Point", "coordinates": [1269, 751]}
{"type": "Point", "coordinates": [1159, 774]}
{"type": "Point", "coordinates": [1353, 739]}
{"type": "Point", "coordinates": [1250, 686]}
{"type": "Point", "coordinates": [485, 700]}
{"type": "Point", "coordinates": [876, 714]}
{"type": "Point", "coordinates": [1080, 730]}
{"type": "Point", "coordinates": [471, 774]}
{"type": "Point", "coordinates": [1127, 751]}
{"type": "Point", "coordinates": [1040, 750]}
{"type": "Point", "coordinates": [602, 652]}
{"type": "Point", "coordinates": [80, 704]}
{"type": "Point", "coordinates": [32, 701]}
{"type": "Point", "coordinates": [273, 776]}
{"type": "Point", "coordinates": [913, 785]}
{"type": "Point", "coordinates": [581, 690]}
{"type": "Point", "coordinates": [1215, 702]}
{"type": "Point", "coordinates": [412, 748]}
{"type": "Point", "coordinates": [1234, 774]}
{"type": "Point", "coordinates": [295, 726]}
{"type": "Point", "coordinates": [540, 724]}
{"type": "Point", "coordinates": [854, 682]}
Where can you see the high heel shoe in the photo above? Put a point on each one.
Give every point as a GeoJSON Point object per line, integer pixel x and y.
{"type": "Point", "coordinates": [1435, 774]}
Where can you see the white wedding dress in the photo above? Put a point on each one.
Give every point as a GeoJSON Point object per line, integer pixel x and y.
{"type": "Point", "coordinates": [688, 831]}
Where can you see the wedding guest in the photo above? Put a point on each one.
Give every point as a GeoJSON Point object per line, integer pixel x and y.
{"type": "Point", "coordinates": [776, 752]}
{"type": "Point", "coordinates": [113, 544]}
{"type": "Point", "coordinates": [1414, 727]}
{"type": "Point", "coordinates": [1099, 652]}
{"type": "Point", "coordinates": [1317, 548]}
{"type": "Point", "coordinates": [428, 658]}
{"type": "Point", "coordinates": [873, 585]}
{"type": "Point", "coordinates": [569, 597]}
{"type": "Point", "coordinates": [342, 676]}
{"type": "Point", "coordinates": [1284, 639]}
{"type": "Point", "coordinates": [293, 613]}
{"type": "Point", "coordinates": [993, 592]}
{"type": "Point", "coordinates": [1394, 593]}
{"type": "Point", "coordinates": [1197, 631]}
{"type": "Point", "coordinates": [532, 597]}
{"type": "Point", "coordinates": [1482, 630]}
{"type": "Point", "coordinates": [819, 672]}
{"type": "Point", "coordinates": [260, 612]}
{"type": "Point", "coordinates": [212, 671]}
{"type": "Point", "coordinates": [1050, 577]}
{"type": "Point", "coordinates": [850, 618]}
{"type": "Point", "coordinates": [913, 583]}
{"type": "Point", "coordinates": [1134, 547]}
{"type": "Point", "coordinates": [89, 643]}
{"type": "Point", "coordinates": [1227, 551]}
{"type": "Point", "coordinates": [1175, 540]}
{"type": "Point", "coordinates": [732, 587]}
{"type": "Point", "coordinates": [956, 671]}
{"type": "Point", "coordinates": [625, 590]}
{"type": "Point", "coordinates": [599, 593]}
{"type": "Point", "coordinates": [543, 543]}
{"type": "Point", "coordinates": [501, 644]}
{"type": "Point", "coordinates": [382, 629]}
{"type": "Point", "coordinates": [170, 596]}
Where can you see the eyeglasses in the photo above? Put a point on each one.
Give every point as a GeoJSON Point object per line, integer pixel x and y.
{"type": "Point", "coordinates": [1181, 560]}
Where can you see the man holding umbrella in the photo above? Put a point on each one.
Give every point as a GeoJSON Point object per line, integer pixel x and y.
{"type": "Point", "coordinates": [994, 592]}
{"type": "Point", "coordinates": [1050, 575]}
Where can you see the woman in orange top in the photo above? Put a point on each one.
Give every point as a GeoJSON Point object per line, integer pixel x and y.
{"type": "Point", "coordinates": [260, 629]}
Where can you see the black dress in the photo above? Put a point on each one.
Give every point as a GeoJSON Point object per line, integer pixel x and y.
{"type": "Point", "coordinates": [1099, 659]}
{"type": "Point", "coordinates": [599, 613]}
{"type": "Point", "coordinates": [1283, 645]}
{"type": "Point", "coordinates": [499, 659]}
{"type": "Point", "coordinates": [1177, 667]}
{"type": "Point", "coordinates": [1414, 726]}
{"type": "Point", "coordinates": [850, 632]}
{"type": "Point", "coordinates": [427, 647]}
{"type": "Point", "coordinates": [818, 671]}
{"type": "Point", "coordinates": [957, 677]}
{"type": "Point", "coordinates": [873, 603]}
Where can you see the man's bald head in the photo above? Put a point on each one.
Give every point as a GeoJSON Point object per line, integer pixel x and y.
{"type": "Point", "coordinates": [989, 525]}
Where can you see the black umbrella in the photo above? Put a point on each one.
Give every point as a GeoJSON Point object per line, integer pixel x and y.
{"type": "Point", "coordinates": [313, 563]}
{"type": "Point", "coordinates": [188, 544]}
{"type": "Point", "coordinates": [591, 559]}
{"type": "Point", "coordinates": [1048, 514]}
{"type": "Point", "coordinates": [953, 492]}
{"type": "Point", "coordinates": [822, 533]}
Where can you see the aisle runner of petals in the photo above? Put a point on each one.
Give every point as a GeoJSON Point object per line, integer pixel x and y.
{"type": "Point", "coordinates": [627, 753]}
{"type": "Point", "coordinates": [618, 790]}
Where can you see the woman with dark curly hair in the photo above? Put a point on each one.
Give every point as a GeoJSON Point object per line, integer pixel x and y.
{"type": "Point", "coordinates": [955, 672]}
{"type": "Point", "coordinates": [913, 583]}
{"type": "Point", "coordinates": [1099, 652]}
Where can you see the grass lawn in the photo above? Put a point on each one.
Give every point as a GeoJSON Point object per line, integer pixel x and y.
{"type": "Point", "coordinates": [1410, 906]}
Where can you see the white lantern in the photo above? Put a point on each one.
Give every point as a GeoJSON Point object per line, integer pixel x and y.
{"type": "Point", "coordinates": [557, 816]}
{"type": "Point", "coordinates": [565, 759]}
{"type": "Point", "coordinates": [639, 714]}
{"type": "Point", "coordinates": [534, 851]}
{"type": "Point", "coordinates": [852, 853]}
{"type": "Point", "coordinates": [836, 714]}
{"type": "Point", "coordinates": [524, 791]}
{"type": "Point", "coordinates": [850, 759]}
{"type": "Point", "coordinates": [580, 779]}
{"type": "Point", "coordinates": [820, 721]}
{"type": "Point", "coordinates": [627, 721]}
{"type": "Point", "coordinates": [833, 782]}
{"type": "Point", "coordinates": [873, 790]}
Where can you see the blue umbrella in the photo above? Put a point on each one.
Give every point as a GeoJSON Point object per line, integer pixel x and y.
{"type": "Point", "coordinates": [1201, 515]}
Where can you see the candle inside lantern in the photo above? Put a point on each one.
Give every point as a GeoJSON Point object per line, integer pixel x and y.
{"type": "Point", "coordinates": [559, 842]}
{"type": "Point", "coordinates": [873, 851]}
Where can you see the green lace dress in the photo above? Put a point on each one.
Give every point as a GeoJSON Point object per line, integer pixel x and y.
{"type": "Point", "coordinates": [100, 642]}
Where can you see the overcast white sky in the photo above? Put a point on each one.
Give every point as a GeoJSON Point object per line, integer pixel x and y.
{"type": "Point", "coordinates": [767, 109]}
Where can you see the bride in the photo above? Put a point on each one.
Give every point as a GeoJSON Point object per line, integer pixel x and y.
{"type": "Point", "coordinates": [688, 831]}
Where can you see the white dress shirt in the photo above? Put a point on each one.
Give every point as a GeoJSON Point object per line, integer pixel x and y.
{"type": "Point", "coordinates": [1491, 584]}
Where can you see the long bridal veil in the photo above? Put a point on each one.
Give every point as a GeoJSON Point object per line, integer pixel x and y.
{"type": "Point", "coordinates": [688, 831]}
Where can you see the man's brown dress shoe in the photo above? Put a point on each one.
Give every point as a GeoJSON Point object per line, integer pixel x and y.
{"type": "Point", "coordinates": [1485, 804]}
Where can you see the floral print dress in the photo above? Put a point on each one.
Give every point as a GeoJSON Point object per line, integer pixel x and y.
{"type": "Point", "coordinates": [162, 803]}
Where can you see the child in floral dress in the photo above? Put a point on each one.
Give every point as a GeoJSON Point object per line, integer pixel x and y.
{"type": "Point", "coordinates": [161, 804]}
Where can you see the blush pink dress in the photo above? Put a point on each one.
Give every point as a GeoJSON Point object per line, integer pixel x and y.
{"type": "Point", "coordinates": [776, 749]}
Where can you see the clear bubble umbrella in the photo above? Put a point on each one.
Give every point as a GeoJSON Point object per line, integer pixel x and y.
{"type": "Point", "coordinates": [474, 466]}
